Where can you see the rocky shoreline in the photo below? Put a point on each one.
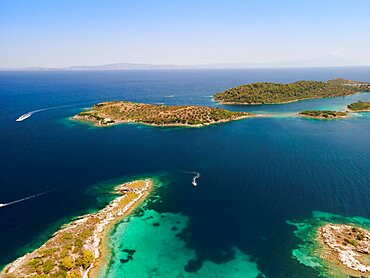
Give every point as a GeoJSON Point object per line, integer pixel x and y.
{"type": "Point", "coordinates": [118, 112]}
{"type": "Point", "coordinates": [108, 122]}
{"type": "Point", "coordinates": [77, 249]}
{"type": "Point", "coordinates": [323, 114]}
{"type": "Point", "coordinates": [346, 244]}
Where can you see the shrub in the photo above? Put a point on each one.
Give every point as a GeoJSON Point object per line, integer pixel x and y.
{"type": "Point", "coordinates": [59, 274]}
{"type": "Point", "coordinates": [64, 253]}
{"type": "Point", "coordinates": [351, 241]}
{"type": "Point", "coordinates": [67, 236]}
{"type": "Point", "coordinates": [87, 258]}
{"type": "Point", "coordinates": [34, 265]}
{"type": "Point", "coordinates": [74, 274]}
{"type": "Point", "coordinates": [67, 263]}
{"type": "Point", "coordinates": [48, 266]}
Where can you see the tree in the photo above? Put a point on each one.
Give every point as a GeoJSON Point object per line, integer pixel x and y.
{"type": "Point", "coordinates": [87, 258]}
{"type": "Point", "coordinates": [74, 274]}
{"type": "Point", "coordinates": [68, 263]}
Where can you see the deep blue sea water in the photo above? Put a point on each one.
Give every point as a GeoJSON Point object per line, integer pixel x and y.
{"type": "Point", "coordinates": [256, 174]}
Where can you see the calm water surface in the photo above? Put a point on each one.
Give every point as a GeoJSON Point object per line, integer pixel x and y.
{"type": "Point", "coordinates": [256, 174]}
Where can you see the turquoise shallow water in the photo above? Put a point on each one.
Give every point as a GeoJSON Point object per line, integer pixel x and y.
{"type": "Point", "coordinates": [158, 251]}
{"type": "Point", "coordinates": [154, 241]}
{"type": "Point", "coordinates": [256, 174]}
{"type": "Point", "coordinates": [307, 252]}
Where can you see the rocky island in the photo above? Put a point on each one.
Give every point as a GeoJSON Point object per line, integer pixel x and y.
{"type": "Point", "coordinates": [115, 112]}
{"type": "Point", "coordinates": [274, 93]}
{"type": "Point", "coordinates": [323, 114]}
{"type": "Point", "coordinates": [79, 249]}
{"type": "Point", "coordinates": [347, 245]}
{"type": "Point", "coordinates": [360, 106]}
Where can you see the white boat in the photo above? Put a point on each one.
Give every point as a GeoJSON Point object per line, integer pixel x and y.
{"type": "Point", "coordinates": [23, 117]}
{"type": "Point", "coordinates": [197, 176]}
{"type": "Point", "coordinates": [2, 205]}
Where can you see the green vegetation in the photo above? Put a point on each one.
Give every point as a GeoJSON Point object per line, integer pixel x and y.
{"type": "Point", "coordinates": [63, 256]}
{"type": "Point", "coordinates": [48, 266]}
{"type": "Point", "coordinates": [74, 274]}
{"type": "Point", "coordinates": [70, 252]}
{"type": "Point", "coordinates": [323, 114]}
{"type": "Point", "coordinates": [121, 111]}
{"type": "Point", "coordinates": [351, 241]}
{"type": "Point", "coordinates": [265, 93]}
{"type": "Point", "coordinates": [67, 263]}
{"type": "Point", "coordinates": [87, 258]}
{"type": "Point", "coordinates": [360, 106]}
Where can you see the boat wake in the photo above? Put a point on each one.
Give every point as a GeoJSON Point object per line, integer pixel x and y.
{"type": "Point", "coordinates": [24, 199]}
{"type": "Point", "coordinates": [197, 176]}
{"type": "Point", "coordinates": [29, 114]}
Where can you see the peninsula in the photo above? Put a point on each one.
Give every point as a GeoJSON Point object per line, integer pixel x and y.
{"type": "Point", "coordinates": [79, 249]}
{"type": "Point", "coordinates": [360, 106]}
{"type": "Point", "coordinates": [115, 112]}
{"type": "Point", "coordinates": [346, 245]}
{"type": "Point", "coordinates": [274, 93]}
{"type": "Point", "coordinates": [323, 114]}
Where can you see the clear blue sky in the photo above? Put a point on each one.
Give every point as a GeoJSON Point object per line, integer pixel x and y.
{"type": "Point", "coordinates": [62, 33]}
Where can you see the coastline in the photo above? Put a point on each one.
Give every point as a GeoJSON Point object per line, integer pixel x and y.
{"type": "Point", "coordinates": [96, 225]}
{"type": "Point", "coordinates": [105, 253]}
{"type": "Point", "coordinates": [358, 111]}
{"type": "Point", "coordinates": [260, 103]}
{"type": "Point", "coordinates": [94, 123]}
{"type": "Point", "coordinates": [348, 255]}
{"type": "Point", "coordinates": [322, 118]}
{"type": "Point", "coordinates": [334, 245]}
{"type": "Point", "coordinates": [280, 102]}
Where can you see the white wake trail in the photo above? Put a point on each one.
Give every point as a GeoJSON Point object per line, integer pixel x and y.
{"type": "Point", "coordinates": [197, 176]}
{"type": "Point", "coordinates": [29, 114]}
{"type": "Point", "coordinates": [24, 199]}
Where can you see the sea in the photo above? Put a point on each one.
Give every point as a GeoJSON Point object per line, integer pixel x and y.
{"type": "Point", "coordinates": [262, 180]}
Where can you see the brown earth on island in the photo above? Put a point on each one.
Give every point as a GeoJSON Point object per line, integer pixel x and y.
{"type": "Point", "coordinates": [115, 112]}
{"type": "Point", "coordinates": [360, 106]}
{"type": "Point", "coordinates": [347, 246]}
{"type": "Point", "coordinates": [275, 93]}
{"type": "Point", "coordinates": [323, 114]}
{"type": "Point", "coordinates": [80, 249]}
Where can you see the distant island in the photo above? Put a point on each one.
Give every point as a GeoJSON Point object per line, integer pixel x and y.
{"type": "Point", "coordinates": [346, 245]}
{"type": "Point", "coordinates": [360, 106]}
{"type": "Point", "coordinates": [274, 93]}
{"type": "Point", "coordinates": [318, 61]}
{"type": "Point", "coordinates": [323, 114]}
{"type": "Point", "coordinates": [80, 248]}
{"type": "Point", "coordinates": [115, 112]}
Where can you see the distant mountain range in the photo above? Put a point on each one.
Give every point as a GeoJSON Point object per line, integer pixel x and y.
{"type": "Point", "coordinates": [321, 61]}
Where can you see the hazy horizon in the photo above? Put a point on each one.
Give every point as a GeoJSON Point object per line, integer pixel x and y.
{"type": "Point", "coordinates": [50, 34]}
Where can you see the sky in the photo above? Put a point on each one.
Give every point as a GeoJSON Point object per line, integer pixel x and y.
{"type": "Point", "coordinates": [48, 33]}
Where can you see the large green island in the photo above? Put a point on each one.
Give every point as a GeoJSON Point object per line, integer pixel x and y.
{"type": "Point", "coordinates": [115, 112]}
{"type": "Point", "coordinates": [273, 93]}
